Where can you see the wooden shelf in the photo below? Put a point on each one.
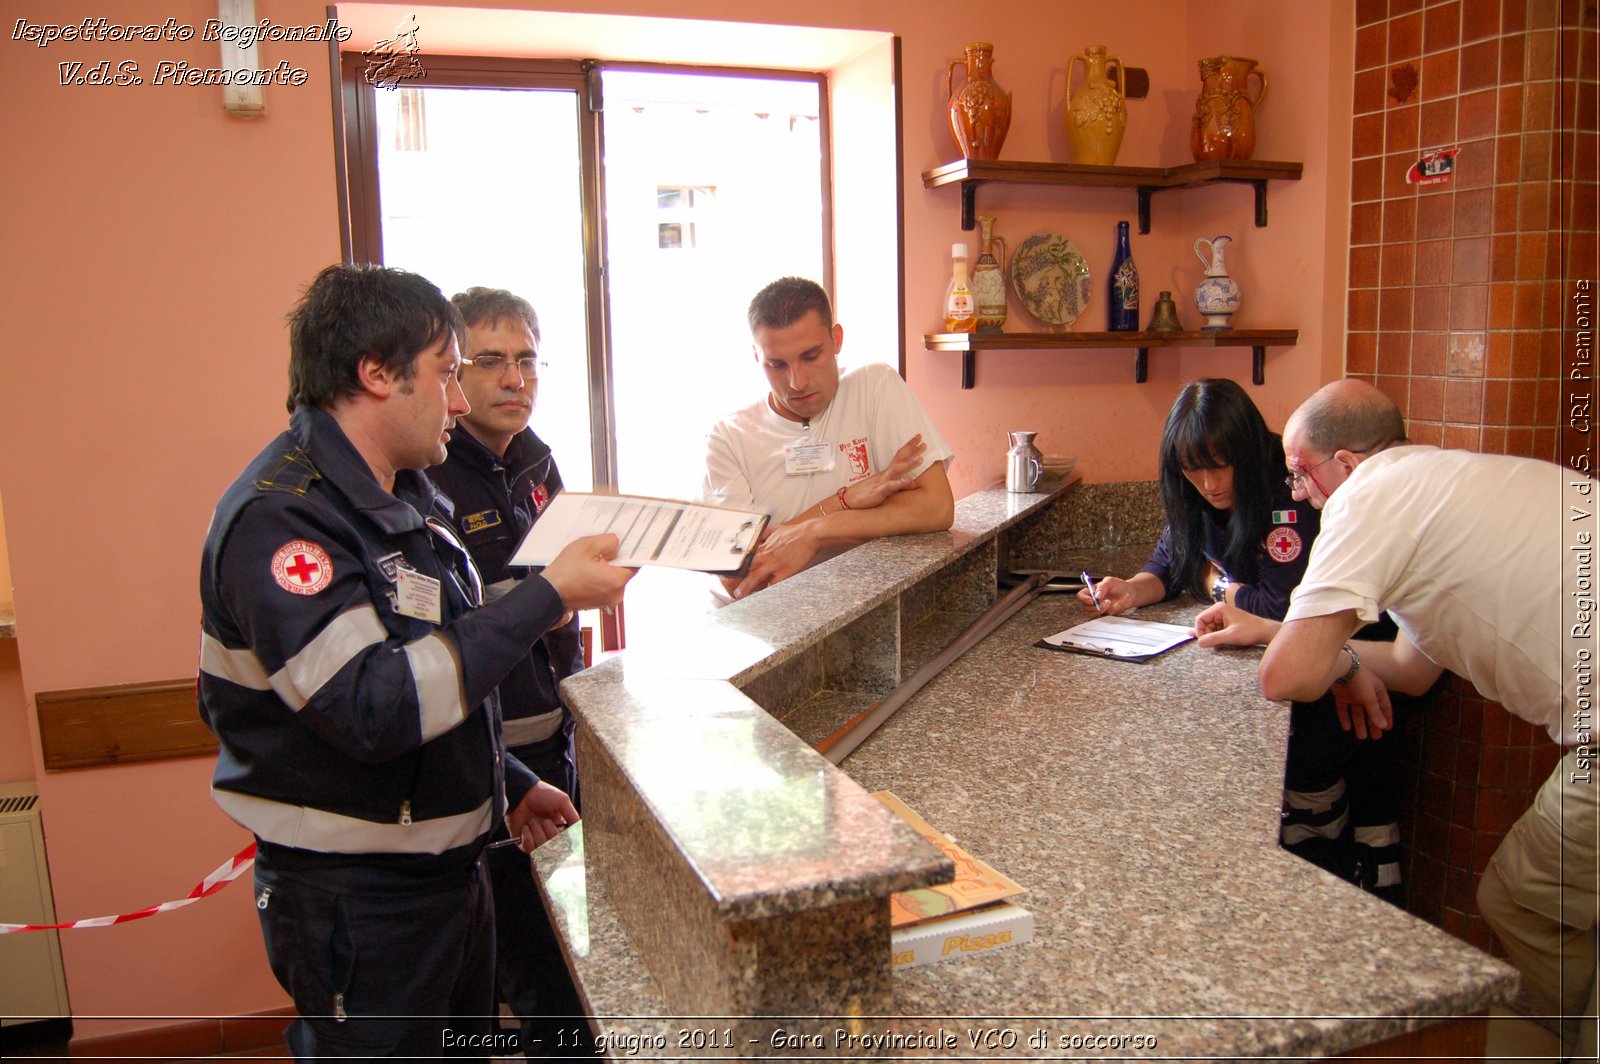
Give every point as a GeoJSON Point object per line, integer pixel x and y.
{"type": "Point", "coordinates": [969, 344]}
{"type": "Point", "coordinates": [1145, 180]}
{"type": "Point", "coordinates": [968, 174]}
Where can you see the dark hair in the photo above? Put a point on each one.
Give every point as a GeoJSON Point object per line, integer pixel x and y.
{"type": "Point", "coordinates": [485, 306]}
{"type": "Point", "coordinates": [353, 312]}
{"type": "Point", "coordinates": [786, 300]}
{"type": "Point", "coordinates": [1212, 424]}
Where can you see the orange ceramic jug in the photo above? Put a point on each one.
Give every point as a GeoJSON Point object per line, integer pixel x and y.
{"type": "Point", "coordinates": [1225, 113]}
{"type": "Point", "coordinates": [980, 112]}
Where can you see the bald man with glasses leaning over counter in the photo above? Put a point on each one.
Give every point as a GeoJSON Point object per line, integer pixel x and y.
{"type": "Point", "coordinates": [1465, 552]}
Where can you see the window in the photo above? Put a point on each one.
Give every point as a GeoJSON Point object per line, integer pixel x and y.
{"type": "Point", "coordinates": [489, 174]}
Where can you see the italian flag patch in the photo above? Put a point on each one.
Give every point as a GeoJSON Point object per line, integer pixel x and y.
{"type": "Point", "coordinates": [1284, 517]}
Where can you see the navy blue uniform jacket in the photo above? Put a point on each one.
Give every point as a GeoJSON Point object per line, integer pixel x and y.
{"type": "Point", "coordinates": [496, 500]}
{"type": "Point", "coordinates": [348, 728]}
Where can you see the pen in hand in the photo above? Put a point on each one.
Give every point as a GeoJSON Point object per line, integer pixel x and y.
{"type": "Point", "coordinates": [515, 840]}
{"type": "Point", "coordinates": [1088, 582]}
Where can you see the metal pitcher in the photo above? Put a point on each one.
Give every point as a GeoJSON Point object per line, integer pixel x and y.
{"type": "Point", "coordinates": [1024, 463]}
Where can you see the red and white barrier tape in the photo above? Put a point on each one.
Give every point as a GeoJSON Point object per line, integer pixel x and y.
{"type": "Point", "coordinates": [224, 874]}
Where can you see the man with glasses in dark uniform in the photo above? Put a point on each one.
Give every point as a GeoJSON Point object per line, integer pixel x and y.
{"type": "Point", "coordinates": [501, 476]}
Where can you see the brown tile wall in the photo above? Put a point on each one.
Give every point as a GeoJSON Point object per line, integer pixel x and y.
{"type": "Point", "coordinates": [1459, 297]}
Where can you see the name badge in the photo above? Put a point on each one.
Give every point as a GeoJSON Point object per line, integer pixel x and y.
{"type": "Point", "coordinates": [478, 522]}
{"type": "Point", "coordinates": [416, 595]}
{"type": "Point", "coordinates": [805, 456]}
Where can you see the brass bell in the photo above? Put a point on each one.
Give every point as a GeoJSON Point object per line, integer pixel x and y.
{"type": "Point", "coordinates": [1165, 317]}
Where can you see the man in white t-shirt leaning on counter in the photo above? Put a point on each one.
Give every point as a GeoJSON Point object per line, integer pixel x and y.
{"type": "Point", "coordinates": [836, 459]}
{"type": "Point", "coordinates": [1465, 551]}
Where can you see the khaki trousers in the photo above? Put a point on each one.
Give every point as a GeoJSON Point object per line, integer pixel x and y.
{"type": "Point", "coordinates": [1539, 895]}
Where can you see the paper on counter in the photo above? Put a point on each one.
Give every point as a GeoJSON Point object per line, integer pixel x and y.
{"type": "Point", "coordinates": [1120, 637]}
{"type": "Point", "coordinates": [681, 535]}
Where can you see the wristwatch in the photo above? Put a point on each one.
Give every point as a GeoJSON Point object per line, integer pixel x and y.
{"type": "Point", "coordinates": [1219, 589]}
{"type": "Point", "coordinates": [1355, 665]}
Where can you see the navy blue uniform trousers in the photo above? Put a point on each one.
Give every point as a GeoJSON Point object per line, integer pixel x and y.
{"type": "Point", "coordinates": [345, 956]}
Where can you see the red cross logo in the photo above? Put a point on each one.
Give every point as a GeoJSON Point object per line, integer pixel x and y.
{"type": "Point", "coordinates": [302, 568]}
{"type": "Point", "coordinates": [1283, 544]}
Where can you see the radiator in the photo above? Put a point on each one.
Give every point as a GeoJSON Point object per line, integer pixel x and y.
{"type": "Point", "coordinates": [32, 984]}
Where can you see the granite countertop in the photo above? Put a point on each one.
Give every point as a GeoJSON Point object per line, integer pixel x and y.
{"type": "Point", "coordinates": [833, 843]}
{"type": "Point", "coordinates": [752, 636]}
{"type": "Point", "coordinates": [1136, 803]}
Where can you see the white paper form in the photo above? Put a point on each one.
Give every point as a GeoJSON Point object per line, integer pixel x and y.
{"type": "Point", "coordinates": [680, 535]}
{"type": "Point", "coordinates": [1121, 637]}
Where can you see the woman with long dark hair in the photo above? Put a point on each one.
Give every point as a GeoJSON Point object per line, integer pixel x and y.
{"type": "Point", "coordinates": [1235, 534]}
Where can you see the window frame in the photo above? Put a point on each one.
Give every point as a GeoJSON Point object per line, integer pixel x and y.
{"type": "Point", "coordinates": [361, 215]}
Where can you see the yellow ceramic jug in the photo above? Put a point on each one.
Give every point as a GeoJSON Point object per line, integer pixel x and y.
{"type": "Point", "coordinates": [1097, 115]}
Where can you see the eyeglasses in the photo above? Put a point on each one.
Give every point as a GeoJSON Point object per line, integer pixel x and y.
{"type": "Point", "coordinates": [528, 367]}
{"type": "Point", "coordinates": [1296, 480]}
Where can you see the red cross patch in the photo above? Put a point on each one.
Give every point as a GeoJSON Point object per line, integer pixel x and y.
{"type": "Point", "coordinates": [1283, 544]}
{"type": "Point", "coordinates": [541, 497]}
{"type": "Point", "coordinates": [302, 568]}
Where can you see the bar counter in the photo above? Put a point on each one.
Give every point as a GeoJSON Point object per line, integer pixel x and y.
{"type": "Point", "coordinates": [1137, 803]}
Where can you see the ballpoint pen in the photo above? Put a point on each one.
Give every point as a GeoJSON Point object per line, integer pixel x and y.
{"type": "Point", "coordinates": [1088, 582]}
{"type": "Point", "coordinates": [513, 841]}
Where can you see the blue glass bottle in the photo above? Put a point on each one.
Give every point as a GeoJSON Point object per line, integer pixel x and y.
{"type": "Point", "coordinates": [1123, 291]}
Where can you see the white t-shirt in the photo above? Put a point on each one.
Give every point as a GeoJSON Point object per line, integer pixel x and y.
{"type": "Point", "coordinates": [871, 417]}
{"type": "Point", "coordinates": [1466, 552]}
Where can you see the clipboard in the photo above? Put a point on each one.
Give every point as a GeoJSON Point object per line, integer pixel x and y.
{"type": "Point", "coordinates": [1120, 638]}
{"type": "Point", "coordinates": [649, 531]}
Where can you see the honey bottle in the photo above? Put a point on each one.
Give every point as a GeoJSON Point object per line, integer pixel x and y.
{"type": "Point", "coordinates": [960, 308]}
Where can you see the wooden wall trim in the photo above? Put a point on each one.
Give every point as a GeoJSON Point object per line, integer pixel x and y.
{"type": "Point", "coordinates": [120, 723]}
{"type": "Point", "coordinates": [195, 1038]}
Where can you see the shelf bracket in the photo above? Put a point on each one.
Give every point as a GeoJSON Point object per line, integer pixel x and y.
{"type": "Point", "coordinates": [1258, 364]}
{"type": "Point", "coordinates": [969, 207]}
{"type": "Point", "coordinates": [1261, 207]}
{"type": "Point", "coordinates": [1145, 192]}
{"type": "Point", "coordinates": [1141, 365]}
{"type": "Point", "coordinates": [969, 368]}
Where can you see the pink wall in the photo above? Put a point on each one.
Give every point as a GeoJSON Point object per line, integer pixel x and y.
{"type": "Point", "coordinates": [1085, 403]}
{"type": "Point", "coordinates": [171, 238]}
{"type": "Point", "coordinates": [163, 241]}
{"type": "Point", "coordinates": [1293, 272]}
{"type": "Point", "coordinates": [16, 763]}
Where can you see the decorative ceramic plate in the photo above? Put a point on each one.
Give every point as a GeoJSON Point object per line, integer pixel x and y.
{"type": "Point", "coordinates": [1050, 278]}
